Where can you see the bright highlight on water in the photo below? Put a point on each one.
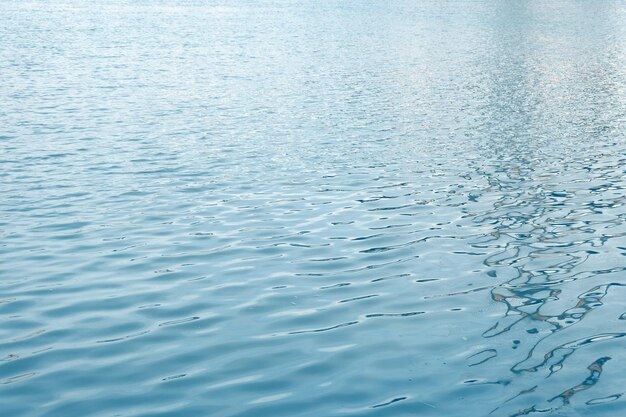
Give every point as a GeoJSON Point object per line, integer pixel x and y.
{"type": "Point", "coordinates": [312, 208]}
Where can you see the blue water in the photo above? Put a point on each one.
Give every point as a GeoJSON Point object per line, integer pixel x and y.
{"type": "Point", "coordinates": [312, 208]}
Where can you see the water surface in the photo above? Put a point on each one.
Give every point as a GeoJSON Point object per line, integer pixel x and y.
{"type": "Point", "coordinates": [295, 208]}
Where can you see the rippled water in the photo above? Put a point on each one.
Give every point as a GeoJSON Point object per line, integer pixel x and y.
{"type": "Point", "coordinates": [298, 208]}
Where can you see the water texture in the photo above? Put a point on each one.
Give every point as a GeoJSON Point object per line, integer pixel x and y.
{"type": "Point", "coordinates": [312, 208]}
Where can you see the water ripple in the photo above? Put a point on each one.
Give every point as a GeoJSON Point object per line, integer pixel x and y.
{"type": "Point", "coordinates": [292, 208]}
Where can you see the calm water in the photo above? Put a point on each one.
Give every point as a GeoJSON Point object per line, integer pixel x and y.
{"type": "Point", "coordinates": [312, 208]}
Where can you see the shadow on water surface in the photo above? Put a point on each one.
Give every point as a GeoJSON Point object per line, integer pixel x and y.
{"type": "Point", "coordinates": [556, 152]}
